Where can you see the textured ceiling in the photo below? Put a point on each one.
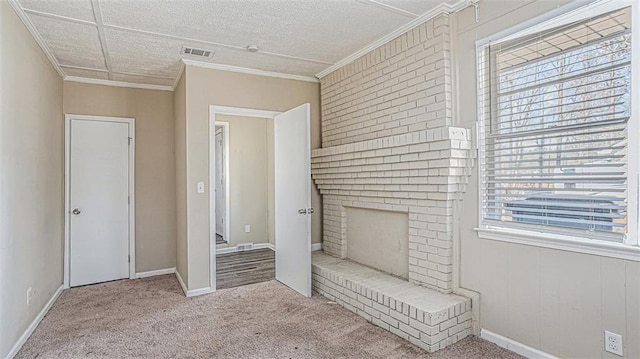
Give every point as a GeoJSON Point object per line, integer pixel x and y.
{"type": "Point", "coordinates": [140, 41]}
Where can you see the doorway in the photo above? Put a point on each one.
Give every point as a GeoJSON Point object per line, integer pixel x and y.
{"type": "Point", "coordinates": [99, 199]}
{"type": "Point", "coordinates": [268, 217]}
{"type": "Point", "coordinates": [222, 182]}
{"type": "Point", "coordinates": [248, 255]}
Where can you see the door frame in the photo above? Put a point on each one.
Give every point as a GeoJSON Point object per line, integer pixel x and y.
{"type": "Point", "coordinates": [213, 111]}
{"type": "Point", "coordinates": [227, 175]}
{"type": "Point", "coordinates": [67, 189]}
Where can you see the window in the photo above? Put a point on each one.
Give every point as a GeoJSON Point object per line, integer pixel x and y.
{"type": "Point", "coordinates": [554, 130]}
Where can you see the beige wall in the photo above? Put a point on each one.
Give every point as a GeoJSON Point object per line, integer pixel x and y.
{"type": "Point", "coordinates": [31, 178]}
{"type": "Point", "coordinates": [180, 121]}
{"type": "Point", "coordinates": [379, 239]}
{"type": "Point", "coordinates": [271, 193]}
{"type": "Point", "coordinates": [205, 87]}
{"type": "Point", "coordinates": [556, 301]}
{"type": "Point", "coordinates": [155, 162]}
{"type": "Point", "coordinates": [250, 187]}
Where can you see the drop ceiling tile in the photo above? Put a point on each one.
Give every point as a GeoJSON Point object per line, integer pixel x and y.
{"type": "Point", "coordinates": [72, 44]}
{"type": "Point", "coordinates": [85, 73]}
{"type": "Point", "coordinates": [76, 9]}
{"type": "Point", "coordinates": [142, 79]}
{"type": "Point", "coordinates": [150, 55]}
{"type": "Point", "coordinates": [321, 30]}
{"type": "Point", "coordinates": [143, 54]}
{"type": "Point", "coordinates": [417, 7]}
{"type": "Point", "coordinates": [265, 62]}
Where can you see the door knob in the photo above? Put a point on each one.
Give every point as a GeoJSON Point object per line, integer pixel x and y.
{"type": "Point", "coordinates": [76, 211]}
{"type": "Point", "coordinates": [302, 211]}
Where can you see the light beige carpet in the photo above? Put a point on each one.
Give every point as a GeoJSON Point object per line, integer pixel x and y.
{"type": "Point", "coordinates": [151, 318]}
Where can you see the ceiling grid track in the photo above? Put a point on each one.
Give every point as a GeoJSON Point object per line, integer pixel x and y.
{"type": "Point", "coordinates": [83, 68]}
{"type": "Point", "coordinates": [166, 81]}
{"type": "Point", "coordinates": [145, 75]}
{"type": "Point", "coordinates": [211, 43]}
{"type": "Point", "coordinates": [103, 41]}
{"type": "Point", "coordinates": [389, 8]}
{"type": "Point", "coordinates": [59, 17]}
{"type": "Point", "coordinates": [134, 85]}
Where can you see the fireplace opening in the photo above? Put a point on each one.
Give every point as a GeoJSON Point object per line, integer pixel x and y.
{"type": "Point", "coordinates": [379, 239]}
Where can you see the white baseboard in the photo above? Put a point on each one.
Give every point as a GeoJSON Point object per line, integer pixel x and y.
{"type": "Point", "coordinates": [199, 291]}
{"type": "Point", "coordinates": [314, 247]}
{"type": "Point", "coordinates": [156, 272]}
{"type": "Point", "coordinates": [193, 292]}
{"type": "Point", "coordinates": [184, 287]}
{"type": "Point", "coordinates": [27, 333]}
{"type": "Point", "coordinates": [255, 246]}
{"type": "Point", "coordinates": [515, 346]}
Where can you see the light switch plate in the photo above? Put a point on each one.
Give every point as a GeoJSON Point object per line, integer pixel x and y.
{"type": "Point", "coordinates": [200, 187]}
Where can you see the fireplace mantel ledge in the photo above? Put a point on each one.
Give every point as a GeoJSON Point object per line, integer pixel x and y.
{"type": "Point", "coordinates": [430, 135]}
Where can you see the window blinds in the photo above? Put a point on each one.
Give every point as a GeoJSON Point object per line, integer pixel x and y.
{"type": "Point", "coordinates": [554, 111]}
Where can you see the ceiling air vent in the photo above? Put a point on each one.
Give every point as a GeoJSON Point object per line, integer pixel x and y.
{"type": "Point", "coordinates": [196, 52]}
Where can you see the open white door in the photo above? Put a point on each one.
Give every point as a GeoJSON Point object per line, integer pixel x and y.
{"type": "Point", "coordinates": [293, 198]}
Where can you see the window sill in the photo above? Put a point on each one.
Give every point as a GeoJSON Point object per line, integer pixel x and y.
{"type": "Point", "coordinates": [559, 242]}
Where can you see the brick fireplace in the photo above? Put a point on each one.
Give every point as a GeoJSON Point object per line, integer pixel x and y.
{"type": "Point", "coordinates": [419, 174]}
{"type": "Point", "coordinates": [389, 146]}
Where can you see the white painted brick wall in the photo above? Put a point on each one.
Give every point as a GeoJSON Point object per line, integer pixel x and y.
{"type": "Point", "coordinates": [388, 144]}
{"type": "Point", "coordinates": [400, 87]}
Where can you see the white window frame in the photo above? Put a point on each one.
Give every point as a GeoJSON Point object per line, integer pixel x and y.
{"type": "Point", "coordinates": [629, 249]}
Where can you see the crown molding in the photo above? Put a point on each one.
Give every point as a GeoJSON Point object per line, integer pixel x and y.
{"type": "Point", "coordinates": [36, 36]}
{"type": "Point", "coordinates": [177, 79]}
{"type": "Point", "coordinates": [134, 85]}
{"type": "Point", "coordinates": [442, 8]}
{"type": "Point", "coordinates": [244, 70]}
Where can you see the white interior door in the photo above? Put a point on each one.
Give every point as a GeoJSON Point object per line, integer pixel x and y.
{"type": "Point", "coordinates": [293, 198]}
{"type": "Point", "coordinates": [99, 201]}
{"type": "Point", "coordinates": [221, 204]}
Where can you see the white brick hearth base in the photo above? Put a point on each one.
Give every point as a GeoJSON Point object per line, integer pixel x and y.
{"type": "Point", "coordinates": [429, 319]}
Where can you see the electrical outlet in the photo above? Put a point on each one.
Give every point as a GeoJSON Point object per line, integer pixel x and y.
{"type": "Point", "coordinates": [29, 296]}
{"type": "Point", "coordinates": [613, 343]}
{"type": "Point", "coordinates": [247, 228]}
